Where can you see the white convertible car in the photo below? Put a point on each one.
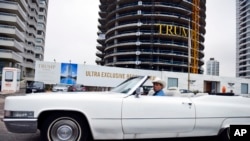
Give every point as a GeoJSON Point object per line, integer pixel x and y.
{"type": "Point", "coordinates": [123, 113]}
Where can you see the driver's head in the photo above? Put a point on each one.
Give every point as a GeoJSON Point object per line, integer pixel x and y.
{"type": "Point", "coordinates": [158, 84]}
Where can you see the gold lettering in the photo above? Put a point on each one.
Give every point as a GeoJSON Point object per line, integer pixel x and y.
{"type": "Point", "coordinates": [169, 30]}
{"type": "Point", "coordinates": [118, 75]}
{"type": "Point", "coordinates": [96, 74]}
{"type": "Point", "coordinates": [46, 66]}
{"type": "Point", "coordinates": [108, 75]}
{"type": "Point", "coordinates": [160, 28]}
{"type": "Point", "coordinates": [103, 74]}
{"type": "Point", "coordinates": [173, 30]}
{"type": "Point", "coordinates": [185, 34]}
{"type": "Point", "coordinates": [87, 73]}
{"type": "Point", "coordinates": [93, 73]}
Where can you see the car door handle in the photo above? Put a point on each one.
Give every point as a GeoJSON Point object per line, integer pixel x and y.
{"type": "Point", "coordinates": [187, 103]}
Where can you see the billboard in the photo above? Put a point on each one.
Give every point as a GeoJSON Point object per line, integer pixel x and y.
{"type": "Point", "coordinates": [88, 75]}
{"type": "Point", "coordinates": [102, 76]}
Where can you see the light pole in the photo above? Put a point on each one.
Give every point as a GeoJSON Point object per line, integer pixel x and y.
{"type": "Point", "coordinates": [189, 50]}
{"type": "Point", "coordinates": [189, 46]}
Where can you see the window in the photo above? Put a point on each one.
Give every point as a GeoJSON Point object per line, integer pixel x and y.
{"type": "Point", "coordinates": [172, 82]}
{"type": "Point", "coordinates": [39, 48]}
{"type": "Point", "coordinates": [9, 76]}
{"type": "Point", "coordinates": [40, 25]}
{"type": "Point", "coordinates": [18, 76]}
{"type": "Point", "coordinates": [41, 17]}
{"type": "Point", "coordinates": [41, 9]}
{"type": "Point", "coordinates": [244, 88]}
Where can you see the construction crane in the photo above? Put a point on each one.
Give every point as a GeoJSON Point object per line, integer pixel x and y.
{"type": "Point", "coordinates": [195, 36]}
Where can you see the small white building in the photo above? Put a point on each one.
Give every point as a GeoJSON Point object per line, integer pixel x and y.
{"type": "Point", "coordinates": [101, 76]}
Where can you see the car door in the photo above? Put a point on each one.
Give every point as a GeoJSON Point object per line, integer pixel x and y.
{"type": "Point", "coordinates": [154, 115]}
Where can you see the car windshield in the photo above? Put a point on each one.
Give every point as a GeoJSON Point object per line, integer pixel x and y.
{"type": "Point", "coordinates": [127, 85]}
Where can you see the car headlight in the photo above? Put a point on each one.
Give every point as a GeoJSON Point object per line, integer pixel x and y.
{"type": "Point", "coordinates": [18, 114]}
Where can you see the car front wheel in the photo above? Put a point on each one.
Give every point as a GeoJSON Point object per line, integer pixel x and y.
{"type": "Point", "coordinates": [64, 127]}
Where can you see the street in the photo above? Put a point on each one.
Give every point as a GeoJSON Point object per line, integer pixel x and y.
{"type": "Point", "coordinates": [7, 136]}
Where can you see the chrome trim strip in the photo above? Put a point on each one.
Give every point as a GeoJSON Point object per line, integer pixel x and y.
{"type": "Point", "coordinates": [21, 125]}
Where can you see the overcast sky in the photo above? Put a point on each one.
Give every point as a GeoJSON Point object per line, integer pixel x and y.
{"type": "Point", "coordinates": [72, 32]}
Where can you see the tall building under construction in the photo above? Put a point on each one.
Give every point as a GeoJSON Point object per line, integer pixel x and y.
{"type": "Point", "coordinates": [152, 34]}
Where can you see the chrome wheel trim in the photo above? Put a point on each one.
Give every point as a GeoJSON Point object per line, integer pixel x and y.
{"type": "Point", "coordinates": [64, 132]}
{"type": "Point", "coordinates": [64, 129]}
{"type": "Point", "coordinates": [228, 133]}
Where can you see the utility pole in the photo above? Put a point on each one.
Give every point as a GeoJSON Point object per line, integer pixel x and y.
{"type": "Point", "coordinates": [189, 51]}
{"type": "Point", "coordinates": [152, 33]}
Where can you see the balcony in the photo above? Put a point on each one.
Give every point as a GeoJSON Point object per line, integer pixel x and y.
{"type": "Point", "coordinates": [99, 54]}
{"type": "Point", "coordinates": [100, 47]}
{"type": "Point", "coordinates": [11, 44]}
{"type": "Point", "coordinates": [10, 55]}
{"type": "Point", "coordinates": [42, 36]}
{"type": "Point", "coordinates": [12, 19]}
{"type": "Point", "coordinates": [99, 61]}
{"type": "Point", "coordinates": [29, 56]}
{"type": "Point", "coordinates": [13, 32]}
{"type": "Point", "coordinates": [13, 7]}
{"type": "Point", "coordinates": [23, 4]}
{"type": "Point", "coordinates": [38, 50]}
{"type": "Point", "coordinates": [31, 30]}
{"type": "Point", "coordinates": [29, 65]}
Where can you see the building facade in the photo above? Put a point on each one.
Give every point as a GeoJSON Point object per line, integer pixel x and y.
{"type": "Point", "coordinates": [22, 34]}
{"type": "Point", "coordinates": [243, 38]}
{"type": "Point", "coordinates": [213, 67]}
{"type": "Point", "coordinates": [152, 34]}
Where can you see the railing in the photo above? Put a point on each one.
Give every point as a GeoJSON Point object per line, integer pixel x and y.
{"type": "Point", "coordinates": [14, 16]}
{"type": "Point", "coordinates": [167, 52]}
{"type": "Point", "coordinates": [7, 26]}
{"type": "Point", "coordinates": [7, 39]}
{"type": "Point", "coordinates": [151, 3]}
{"type": "Point", "coordinates": [146, 60]}
{"type": "Point", "coordinates": [183, 44]}
{"type": "Point", "coordinates": [16, 56]}
{"type": "Point", "coordinates": [14, 28]}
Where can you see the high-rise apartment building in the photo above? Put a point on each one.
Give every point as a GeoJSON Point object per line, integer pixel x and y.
{"type": "Point", "coordinates": [22, 34]}
{"type": "Point", "coordinates": [243, 38]}
{"type": "Point", "coordinates": [152, 34]}
{"type": "Point", "coordinates": [213, 67]}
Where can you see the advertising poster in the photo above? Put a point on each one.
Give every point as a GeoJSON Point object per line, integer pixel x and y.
{"type": "Point", "coordinates": [68, 73]}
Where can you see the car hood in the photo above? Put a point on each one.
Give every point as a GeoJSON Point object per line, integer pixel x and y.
{"type": "Point", "coordinates": [84, 102]}
{"type": "Point", "coordinates": [68, 95]}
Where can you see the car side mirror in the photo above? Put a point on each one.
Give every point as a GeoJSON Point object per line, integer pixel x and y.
{"type": "Point", "coordinates": [138, 92]}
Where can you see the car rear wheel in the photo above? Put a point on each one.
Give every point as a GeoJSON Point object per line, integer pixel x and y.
{"type": "Point", "coordinates": [64, 127]}
{"type": "Point", "coordinates": [225, 135]}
